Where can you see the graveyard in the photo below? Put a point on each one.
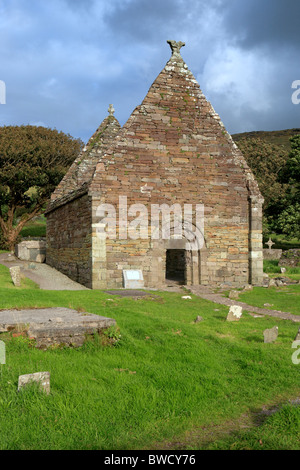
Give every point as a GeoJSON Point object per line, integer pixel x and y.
{"type": "Point", "coordinates": [172, 372]}
{"type": "Point", "coordinates": [155, 334]}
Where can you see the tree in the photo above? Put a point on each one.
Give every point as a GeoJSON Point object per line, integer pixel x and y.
{"type": "Point", "coordinates": [289, 219]}
{"type": "Point", "coordinates": [33, 160]}
{"type": "Point", "coordinates": [267, 160]}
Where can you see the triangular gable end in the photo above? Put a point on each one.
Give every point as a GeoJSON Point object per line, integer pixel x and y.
{"type": "Point", "coordinates": [174, 148]}
{"type": "Point", "coordinates": [82, 170]}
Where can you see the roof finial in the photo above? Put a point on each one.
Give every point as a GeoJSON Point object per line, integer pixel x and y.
{"type": "Point", "coordinates": [176, 46]}
{"type": "Point", "coordinates": [111, 110]}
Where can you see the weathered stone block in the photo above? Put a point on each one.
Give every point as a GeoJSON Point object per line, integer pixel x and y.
{"type": "Point", "coordinates": [31, 250]}
{"type": "Point", "coordinates": [15, 273]}
{"type": "Point", "coordinates": [42, 378]}
{"type": "Point", "coordinates": [235, 313]}
{"type": "Point", "coordinates": [270, 335]}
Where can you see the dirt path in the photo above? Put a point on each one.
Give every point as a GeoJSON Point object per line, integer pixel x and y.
{"type": "Point", "coordinates": [202, 437]}
{"type": "Point", "coordinates": [208, 294]}
{"type": "Point", "coordinates": [46, 277]}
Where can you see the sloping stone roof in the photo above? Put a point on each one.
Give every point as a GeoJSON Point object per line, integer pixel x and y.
{"type": "Point", "coordinates": [174, 130]}
{"type": "Point", "coordinates": [76, 181]}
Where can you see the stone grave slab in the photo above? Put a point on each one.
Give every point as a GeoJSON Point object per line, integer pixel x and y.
{"type": "Point", "coordinates": [54, 326]}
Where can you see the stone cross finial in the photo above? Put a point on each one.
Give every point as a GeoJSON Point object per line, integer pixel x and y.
{"type": "Point", "coordinates": [111, 110]}
{"type": "Point", "coordinates": [270, 244]}
{"type": "Point", "coordinates": [176, 46]}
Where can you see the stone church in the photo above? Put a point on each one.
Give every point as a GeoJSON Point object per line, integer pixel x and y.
{"type": "Point", "coordinates": [173, 153]}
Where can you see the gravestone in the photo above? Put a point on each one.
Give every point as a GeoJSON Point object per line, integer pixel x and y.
{"type": "Point", "coordinates": [271, 335]}
{"type": "Point", "coordinates": [42, 378]}
{"type": "Point", "coordinates": [15, 274]}
{"type": "Point", "coordinates": [235, 313]}
{"type": "Point", "coordinates": [2, 353]}
{"type": "Point", "coordinates": [133, 279]}
{"type": "Point", "coordinates": [234, 294]}
{"type": "Point", "coordinates": [298, 336]}
{"type": "Point", "coordinates": [248, 287]}
{"type": "Point", "coordinates": [198, 319]}
{"type": "Point", "coordinates": [270, 244]}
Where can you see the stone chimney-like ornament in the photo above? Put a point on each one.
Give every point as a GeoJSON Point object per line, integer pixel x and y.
{"type": "Point", "coordinates": [111, 110]}
{"type": "Point", "coordinates": [175, 47]}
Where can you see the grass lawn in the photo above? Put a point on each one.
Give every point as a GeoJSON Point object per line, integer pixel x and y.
{"type": "Point", "coordinates": [272, 268]}
{"type": "Point", "coordinates": [35, 228]}
{"type": "Point", "coordinates": [166, 376]}
{"type": "Point", "coordinates": [285, 298]}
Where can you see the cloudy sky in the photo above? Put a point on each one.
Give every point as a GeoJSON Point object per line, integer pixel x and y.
{"type": "Point", "coordinates": [64, 61]}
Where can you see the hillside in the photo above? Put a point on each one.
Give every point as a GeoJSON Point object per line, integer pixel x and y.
{"type": "Point", "coordinates": [271, 137]}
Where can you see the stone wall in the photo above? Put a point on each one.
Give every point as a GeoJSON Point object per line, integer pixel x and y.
{"type": "Point", "coordinates": [272, 254]}
{"type": "Point", "coordinates": [69, 239]}
{"type": "Point", "coordinates": [175, 149]}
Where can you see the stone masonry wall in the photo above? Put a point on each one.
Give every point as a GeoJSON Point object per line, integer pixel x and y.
{"type": "Point", "coordinates": [69, 239]}
{"type": "Point", "coordinates": [175, 149]}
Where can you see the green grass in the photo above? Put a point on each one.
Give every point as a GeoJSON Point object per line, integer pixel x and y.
{"type": "Point", "coordinates": [272, 268]}
{"type": "Point", "coordinates": [166, 376]}
{"type": "Point", "coordinates": [281, 137]}
{"type": "Point", "coordinates": [35, 228]}
{"type": "Point", "coordinates": [6, 282]}
{"type": "Point", "coordinates": [283, 298]}
{"type": "Point", "coordinates": [279, 431]}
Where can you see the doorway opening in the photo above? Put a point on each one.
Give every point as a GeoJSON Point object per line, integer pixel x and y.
{"type": "Point", "coordinates": [176, 267]}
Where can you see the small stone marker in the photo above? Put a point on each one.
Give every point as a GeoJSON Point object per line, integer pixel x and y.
{"type": "Point", "coordinates": [272, 283]}
{"type": "Point", "coordinates": [248, 287]}
{"type": "Point", "coordinates": [298, 336]}
{"type": "Point", "coordinates": [271, 335]}
{"type": "Point", "coordinates": [133, 279]}
{"type": "Point", "coordinates": [234, 294]}
{"type": "Point", "coordinates": [198, 319]}
{"type": "Point", "coordinates": [186, 297]}
{"type": "Point", "coordinates": [2, 352]}
{"type": "Point", "coordinates": [15, 274]}
{"type": "Point", "coordinates": [270, 244]}
{"type": "Point", "coordinates": [235, 313]}
{"type": "Point", "coordinates": [43, 378]}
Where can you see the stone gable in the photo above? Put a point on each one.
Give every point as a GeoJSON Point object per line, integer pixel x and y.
{"type": "Point", "coordinates": [174, 149]}
{"type": "Point", "coordinates": [82, 170]}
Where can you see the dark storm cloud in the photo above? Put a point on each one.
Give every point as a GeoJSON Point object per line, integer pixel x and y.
{"type": "Point", "coordinates": [269, 23]}
{"type": "Point", "coordinates": [64, 61]}
{"type": "Point", "coordinates": [146, 20]}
